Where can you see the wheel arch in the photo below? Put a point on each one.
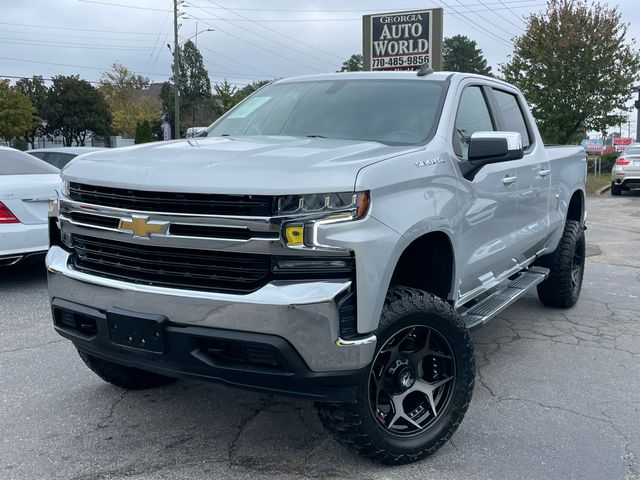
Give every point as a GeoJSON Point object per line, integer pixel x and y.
{"type": "Point", "coordinates": [576, 207]}
{"type": "Point", "coordinates": [427, 263]}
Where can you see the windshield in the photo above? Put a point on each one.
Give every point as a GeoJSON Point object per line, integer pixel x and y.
{"type": "Point", "coordinates": [394, 112]}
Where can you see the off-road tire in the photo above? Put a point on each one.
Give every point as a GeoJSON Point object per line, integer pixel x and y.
{"type": "Point", "coordinates": [558, 289]}
{"type": "Point", "coordinates": [354, 424]}
{"type": "Point", "coordinates": [616, 189]}
{"type": "Point", "coordinates": [124, 377]}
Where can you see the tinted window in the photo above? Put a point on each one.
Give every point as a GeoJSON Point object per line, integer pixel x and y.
{"type": "Point", "coordinates": [396, 112]}
{"type": "Point", "coordinates": [473, 116]}
{"type": "Point", "coordinates": [512, 115]}
{"type": "Point", "coordinates": [14, 162]}
{"type": "Point", "coordinates": [58, 159]}
{"type": "Point", "coordinates": [632, 151]}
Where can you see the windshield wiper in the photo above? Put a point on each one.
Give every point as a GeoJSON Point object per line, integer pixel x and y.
{"type": "Point", "coordinates": [316, 136]}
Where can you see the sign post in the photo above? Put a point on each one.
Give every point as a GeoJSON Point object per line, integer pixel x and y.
{"type": "Point", "coordinates": [402, 40]}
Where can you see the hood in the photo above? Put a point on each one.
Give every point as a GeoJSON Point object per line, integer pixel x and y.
{"type": "Point", "coordinates": [228, 165]}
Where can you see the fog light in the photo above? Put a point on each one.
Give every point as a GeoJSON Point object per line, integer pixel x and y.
{"type": "Point", "coordinates": [294, 235]}
{"type": "Point", "coordinates": [310, 265]}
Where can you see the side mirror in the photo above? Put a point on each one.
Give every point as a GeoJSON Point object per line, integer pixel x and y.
{"type": "Point", "coordinates": [493, 147]}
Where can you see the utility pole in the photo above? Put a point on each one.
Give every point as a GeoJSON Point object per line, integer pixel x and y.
{"type": "Point", "coordinates": [637, 105]}
{"type": "Point", "coordinates": [176, 70]}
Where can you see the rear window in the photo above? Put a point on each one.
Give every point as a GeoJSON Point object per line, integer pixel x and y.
{"type": "Point", "coordinates": [15, 162]}
{"type": "Point", "coordinates": [632, 151]}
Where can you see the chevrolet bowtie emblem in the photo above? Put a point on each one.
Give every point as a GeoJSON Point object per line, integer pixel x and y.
{"type": "Point", "coordinates": [140, 226]}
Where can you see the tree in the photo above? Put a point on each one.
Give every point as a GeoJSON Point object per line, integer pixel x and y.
{"type": "Point", "coordinates": [75, 108]}
{"type": "Point", "coordinates": [247, 90]}
{"type": "Point", "coordinates": [144, 132]}
{"type": "Point", "coordinates": [352, 64]}
{"type": "Point", "coordinates": [575, 67]}
{"type": "Point", "coordinates": [16, 112]}
{"type": "Point", "coordinates": [461, 54]}
{"type": "Point", "coordinates": [194, 87]}
{"type": "Point", "coordinates": [35, 89]}
{"type": "Point", "coordinates": [124, 93]}
{"type": "Point", "coordinates": [225, 95]}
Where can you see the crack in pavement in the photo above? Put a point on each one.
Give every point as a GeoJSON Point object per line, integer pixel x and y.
{"type": "Point", "coordinates": [33, 346]}
{"type": "Point", "coordinates": [102, 423]}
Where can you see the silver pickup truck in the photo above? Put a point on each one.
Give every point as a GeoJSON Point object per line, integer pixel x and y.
{"type": "Point", "coordinates": [333, 237]}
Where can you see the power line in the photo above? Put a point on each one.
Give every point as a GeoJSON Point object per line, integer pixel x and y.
{"type": "Point", "coordinates": [493, 24]}
{"type": "Point", "coordinates": [256, 45]}
{"type": "Point", "coordinates": [473, 24]}
{"type": "Point", "coordinates": [155, 44]}
{"type": "Point", "coordinates": [512, 12]}
{"type": "Point", "coordinates": [40, 43]}
{"type": "Point", "coordinates": [347, 9]}
{"type": "Point", "coordinates": [276, 42]}
{"type": "Point", "coordinates": [276, 31]}
{"type": "Point", "coordinates": [495, 11]}
{"type": "Point", "coordinates": [125, 6]}
{"type": "Point", "coordinates": [75, 29]}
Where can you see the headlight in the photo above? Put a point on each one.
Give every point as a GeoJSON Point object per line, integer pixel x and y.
{"type": "Point", "coordinates": [357, 203]}
{"type": "Point", "coordinates": [321, 209]}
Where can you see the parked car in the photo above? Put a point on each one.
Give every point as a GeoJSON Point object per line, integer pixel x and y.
{"type": "Point", "coordinates": [333, 237]}
{"type": "Point", "coordinates": [27, 184]}
{"type": "Point", "coordinates": [60, 156]}
{"type": "Point", "coordinates": [626, 171]}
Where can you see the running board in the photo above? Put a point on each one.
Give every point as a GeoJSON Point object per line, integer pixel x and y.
{"type": "Point", "coordinates": [495, 303]}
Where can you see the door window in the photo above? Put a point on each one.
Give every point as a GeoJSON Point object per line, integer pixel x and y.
{"type": "Point", "coordinates": [473, 116]}
{"type": "Point", "coordinates": [512, 115]}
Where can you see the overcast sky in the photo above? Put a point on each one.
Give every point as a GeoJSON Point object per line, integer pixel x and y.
{"type": "Point", "coordinates": [253, 39]}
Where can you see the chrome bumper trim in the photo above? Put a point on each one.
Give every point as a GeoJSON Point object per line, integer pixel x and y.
{"type": "Point", "coordinates": [303, 313]}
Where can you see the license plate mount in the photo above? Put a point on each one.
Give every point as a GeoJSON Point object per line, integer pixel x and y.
{"type": "Point", "coordinates": [139, 331]}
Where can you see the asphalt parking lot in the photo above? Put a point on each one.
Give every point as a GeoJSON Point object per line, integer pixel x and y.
{"type": "Point", "coordinates": [557, 396]}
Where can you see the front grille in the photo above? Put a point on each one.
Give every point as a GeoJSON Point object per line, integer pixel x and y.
{"type": "Point", "coordinates": [173, 202]}
{"type": "Point", "coordinates": [227, 272]}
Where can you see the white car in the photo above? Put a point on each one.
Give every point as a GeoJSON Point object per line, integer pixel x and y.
{"type": "Point", "coordinates": [27, 184]}
{"type": "Point", "coordinates": [60, 156]}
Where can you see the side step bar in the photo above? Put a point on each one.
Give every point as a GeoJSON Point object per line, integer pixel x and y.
{"type": "Point", "coordinates": [495, 303]}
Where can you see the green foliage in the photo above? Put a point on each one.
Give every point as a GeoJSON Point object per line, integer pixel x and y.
{"type": "Point", "coordinates": [122, 91]}
{"type": "Point", "coordinates": [225, 95]}
{"type": "Point", "coordinates": [196, 104]}
{"type": "Point", "coordinates": [20, 144]}
{"type": "Point", "coordinates": [575, 66]}
{"type": "Point", "coordinates": [35, 89]}
{"type": "Point", "coordinates": [75, 108]}
{"type": "Point", "coordinates": [16, 112]}
{"type": "Point", "coordinates": [608, 159]}
{"type": "Point", "coordinates": [144, 132]}
{"type": "Point", "coordinates": [461, 54]}
{"type": "Point", "coordinates": [247, 90]}
{"type": "Point", "coordinates": [353, 64]}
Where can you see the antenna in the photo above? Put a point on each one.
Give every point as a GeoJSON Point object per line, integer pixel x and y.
{"type": "Point", "coordinates": [425, 70]}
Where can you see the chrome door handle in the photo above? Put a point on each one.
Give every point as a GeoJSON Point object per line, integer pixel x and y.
{"type": "Point", "coordinates": [37, 199]}
{"type": "Point", "coordinates": [544, 173]}
{"type": "Point", "coordinates": [508, 180]}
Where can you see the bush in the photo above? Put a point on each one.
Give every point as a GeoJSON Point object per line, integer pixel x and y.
{"type": "Point", "coordinates": [20, 144]}
{"type": "Point", "coordinates": [607, 159]}
{"type": "Point", "coordinates": [144, 132]}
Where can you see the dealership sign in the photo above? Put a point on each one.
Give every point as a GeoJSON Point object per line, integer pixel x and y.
{"type": "Point", "coordinates": [403, 40]}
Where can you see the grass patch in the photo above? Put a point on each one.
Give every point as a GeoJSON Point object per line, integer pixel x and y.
{"type": "Point", "coordinates": [596, 183]}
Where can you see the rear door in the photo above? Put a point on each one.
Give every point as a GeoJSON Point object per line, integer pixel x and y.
{"type": "Point", "coordinates": [534, 175]}
{"type": "Point", "coordinates": [26, 186]}
{"type": "Point", "coordinates": [488, 199]}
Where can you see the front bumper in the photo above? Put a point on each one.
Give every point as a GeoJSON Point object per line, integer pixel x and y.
{"type": "Point", "coordinates": [302, 314]}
